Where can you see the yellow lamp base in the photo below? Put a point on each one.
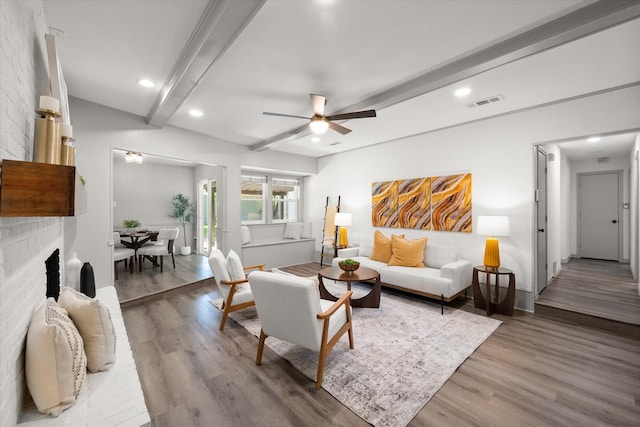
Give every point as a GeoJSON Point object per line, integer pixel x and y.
{"type": "Point", "coordinates": [491, 253]}
{"type": "Point", "coordinates": [343, 241]}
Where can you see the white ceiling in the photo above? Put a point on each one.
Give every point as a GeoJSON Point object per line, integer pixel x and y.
{"type": "Point", "coordinates": [233, 60]}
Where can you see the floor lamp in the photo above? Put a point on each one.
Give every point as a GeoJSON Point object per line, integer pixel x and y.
{"type": "Point", "coordinates": [492, 226]}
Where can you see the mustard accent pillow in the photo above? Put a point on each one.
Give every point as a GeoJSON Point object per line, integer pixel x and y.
{"type": "Point", "coordinates": [407, 253]}
{"type": "Point", "coordinates": [382, 247]}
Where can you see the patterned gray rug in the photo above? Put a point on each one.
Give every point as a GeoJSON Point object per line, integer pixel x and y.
{"type": "Point", "coordinates": [404, 352]}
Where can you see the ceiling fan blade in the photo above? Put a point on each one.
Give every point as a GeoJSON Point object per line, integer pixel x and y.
{"type": "Point", "coordinates": [266, 113]}
{"type": "Point", "coordinates": [341, 129]}
{"type": "Point", "coordinates": [318, 102]}
{"type": "Point", "coordinates": [354, 115]}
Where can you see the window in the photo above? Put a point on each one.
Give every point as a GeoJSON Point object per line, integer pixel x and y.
{"type": "Point", "coordinates": [285, 194]}
{"type": "Point", "coordinates": [252, 190]}
{"type": "Point", "coordinates": [256, 191]}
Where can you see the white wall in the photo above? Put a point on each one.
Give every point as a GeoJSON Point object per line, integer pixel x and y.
{"type": "Point", "coordinates": [555, 207]}
{"type": "Point", "coordinates": [25, 243]}
{"type": "Point", "coordinates": [634, 212]}
{"type": "Point", "coordinates": [98, 130]}
{"type": "Point", "coordinates": [143, 192]}
{"type": "Point", "coordinates": [592, 165]}
{"type": "Point", "coordinates": [498, 152]}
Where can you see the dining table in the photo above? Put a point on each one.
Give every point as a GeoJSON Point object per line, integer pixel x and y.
{"type": "Point", "coordinates": [137, 239]}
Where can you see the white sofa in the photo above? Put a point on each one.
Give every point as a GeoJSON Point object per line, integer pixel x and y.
{"type": "Point", "coordinates": [445, 276]}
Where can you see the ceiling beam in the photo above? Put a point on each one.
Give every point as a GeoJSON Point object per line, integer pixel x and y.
{"type": "Point", "coordinates": [583, 21]}
{"type": "Point", "coordinates": [220, 24]}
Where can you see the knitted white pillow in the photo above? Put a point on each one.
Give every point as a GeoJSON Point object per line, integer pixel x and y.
{"type": "Point", "coordinates": [55, 363]}
{"type": "Point", "coordinates": [94, 323]}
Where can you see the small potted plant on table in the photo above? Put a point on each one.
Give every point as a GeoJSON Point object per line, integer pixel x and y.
{"type": "Point", "coordinates": [349, 265]}
{"type": "Point", "coordinates": [130, 225]}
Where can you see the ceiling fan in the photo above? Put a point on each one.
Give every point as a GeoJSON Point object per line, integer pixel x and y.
{"type": "Point", "coordinates": [319, 123]}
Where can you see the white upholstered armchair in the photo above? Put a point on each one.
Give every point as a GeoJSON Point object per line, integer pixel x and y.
{"type": "Point", "coordinates": [290, 308]}
{"type": "Point", "coordinates": [232, 282]}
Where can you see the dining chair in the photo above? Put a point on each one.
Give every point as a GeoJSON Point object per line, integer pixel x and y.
{"type": "Point", "coordinates": [122, 253]}
{"type": "Point", "coordinates": [232, 282]}
{"type": "Point", "coordinates": [290, 308]}
{"type": "Point", "coordinates": [159, 249]}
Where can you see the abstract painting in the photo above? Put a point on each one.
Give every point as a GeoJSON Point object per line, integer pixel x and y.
{"type": "Point", "coordinates": [384, 204]}
{"type": "Point", "coordinates": [439, 203]}
{"type": "Point", "coordinates": [451, 203]}
{"type": "Point", "coordinates": [414, 203]}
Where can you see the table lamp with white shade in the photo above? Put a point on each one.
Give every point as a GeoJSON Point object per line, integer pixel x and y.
{"type": "Point", "coordinates": [343, 220]}
{"type": "Point", "coordinates": [492, 226]}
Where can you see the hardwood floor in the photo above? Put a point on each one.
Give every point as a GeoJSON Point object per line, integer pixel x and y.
{"type": "Point", "coordinates": [137, 287]}
{"type": "Point", "coordinates": [534, 370]}
{"type": "Point", "coordinates": [601, 289]}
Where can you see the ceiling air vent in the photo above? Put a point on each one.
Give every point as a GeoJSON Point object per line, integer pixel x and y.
{"type": "Point", "coordinates": [603, 160]}
{"type": "Point", "coordinates": [485, 101]}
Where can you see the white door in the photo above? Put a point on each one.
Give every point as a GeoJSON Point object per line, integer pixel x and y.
{"type": "Point", "coordinates": [598, 215]}
{"type": "Point", "coordinates": [541, 220]}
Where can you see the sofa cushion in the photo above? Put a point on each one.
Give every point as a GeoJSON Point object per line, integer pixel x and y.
{"type": "Point", "coordinates": [93, 321]}
{"type": "Point", "coordinates": [438, 255]}
{"type": "Point", "coordinates": [407, 253]}
{"type": "Point", "coordinates": [245, 234]}
{"type": "Point", "coordinates": [382, 247]}
{"type": "Point", "coordinates": [292, 230]}
{"type": "Point", "coordinates": [55, 362]}
{"type": "Point", "coordinates": [427, 280]}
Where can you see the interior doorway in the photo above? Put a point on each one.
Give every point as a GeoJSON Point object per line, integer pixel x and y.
{"type": "Point", "coordinates": [541, 221]}
{"type": "Point", "coordinates": [207, 215]}
{"type": "Point", "coordinates": [599, 215]}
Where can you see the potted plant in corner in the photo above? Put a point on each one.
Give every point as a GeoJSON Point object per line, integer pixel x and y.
{"type": "Point", "coordinates": [183, 211]}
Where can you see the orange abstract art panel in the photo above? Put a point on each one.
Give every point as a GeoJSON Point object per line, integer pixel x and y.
{"type": "Point", "coordinates": [451, 203]}
{"type": "Point", "coordinates": [414, 203]}
{"type": "Point", "coordinates": [384, 204]}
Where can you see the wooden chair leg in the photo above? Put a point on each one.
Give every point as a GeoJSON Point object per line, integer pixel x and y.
{"type": "Point", "coordinates": [161, 264]}
{"type": "Point", "coordinates": [263, 337]}
{"type": "Point", "coordinates": [115, 269]}
{"type": "Point", "coordinates": [225, 314]}
{"type": "Point", "coordinates": [174, 261]}
{"type": "Point", "coordinates": [321, 358]}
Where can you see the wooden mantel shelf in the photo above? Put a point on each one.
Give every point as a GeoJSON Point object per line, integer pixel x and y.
{"type": "Point", "coordinates": [36, 189]}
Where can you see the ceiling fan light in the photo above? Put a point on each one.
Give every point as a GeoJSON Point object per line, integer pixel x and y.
{"type": "Point", "coordinates": [319, 126]}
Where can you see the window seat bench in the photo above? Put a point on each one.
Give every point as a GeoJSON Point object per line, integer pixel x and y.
{"type": "Point", "coordinates": [110, 398]}
{"type": "Point", "coordinates": [267, 246]}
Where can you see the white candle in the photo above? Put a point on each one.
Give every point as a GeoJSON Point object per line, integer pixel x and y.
{"type": "Point", "coordinates": [66, 130]}
{"type": "Point", "coordinates": [49, 103]}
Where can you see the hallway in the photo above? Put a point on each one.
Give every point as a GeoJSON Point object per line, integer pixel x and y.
{"type": "Point", "coordinates": [602, 289]}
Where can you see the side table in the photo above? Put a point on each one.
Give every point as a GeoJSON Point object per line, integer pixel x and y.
{"type": "Point", "coordinates": [484, 301]}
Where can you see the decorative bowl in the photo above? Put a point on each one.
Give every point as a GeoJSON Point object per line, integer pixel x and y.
{"type": "Point", "coordinates": [349, 268]}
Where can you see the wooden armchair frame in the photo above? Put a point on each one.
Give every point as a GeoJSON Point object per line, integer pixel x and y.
{"type": "Point", "coordinates": [325, 346]}
{"type": "Point", "coordinates": [227, 306]}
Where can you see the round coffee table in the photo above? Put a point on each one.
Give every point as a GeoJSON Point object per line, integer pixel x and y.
{"type": "Point", "coordinates": [371, 300]}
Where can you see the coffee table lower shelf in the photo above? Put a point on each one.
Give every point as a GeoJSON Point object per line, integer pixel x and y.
{"type": "Point", "coordinates": [371, 300]}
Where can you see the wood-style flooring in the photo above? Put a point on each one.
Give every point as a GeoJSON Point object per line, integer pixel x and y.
{"type": "Point", "coordinates": [138, 287]}
{"type": "Point", "coordinates": [535, 370]}
{"type": "Point", "coordinates": [596, 288]}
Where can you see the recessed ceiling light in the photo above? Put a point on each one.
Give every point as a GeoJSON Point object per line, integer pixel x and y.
{"type": "Point", "coordinates": [315, 139]}
{"type": "Point", "coordinates": [463, 91]}
{"type": "Point", "coordinates": [195, 113]}
{"type": "Point", "coordinates": [593, 139]}
{"type": "Point", "coordinates": [146, 83]}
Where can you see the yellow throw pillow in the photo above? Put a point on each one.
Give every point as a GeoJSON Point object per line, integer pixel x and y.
{"type": "Point", "coordinates": [382, 247]}
{"type": "Point", "coordinates": [407, 253]}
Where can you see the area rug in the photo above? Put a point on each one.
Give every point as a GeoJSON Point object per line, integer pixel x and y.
{"type": "Point", "coordinates": [404, 352]}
